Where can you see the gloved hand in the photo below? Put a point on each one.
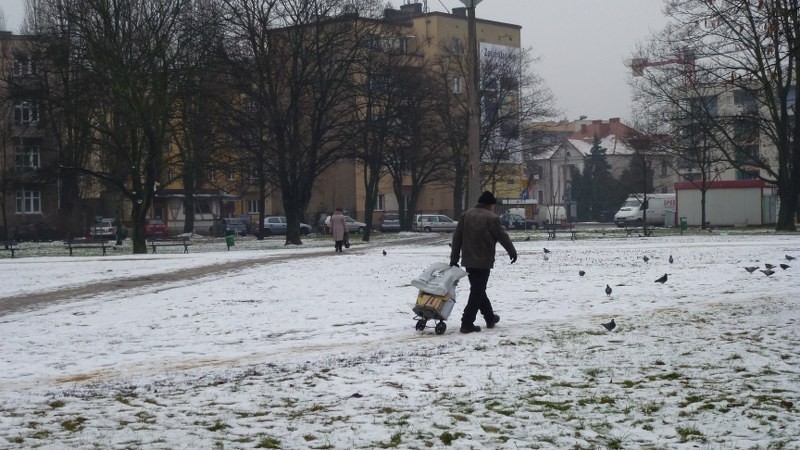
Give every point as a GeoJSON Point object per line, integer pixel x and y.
{"type": "Point", "coordinates": [513, 257]}
{"type": "Point", "coordinates": [453, 264]}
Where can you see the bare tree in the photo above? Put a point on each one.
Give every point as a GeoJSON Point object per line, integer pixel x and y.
{"type": "Point", "coordinates": [130, 54]}
{"type": "Point", "coordinates": [511, 93]}
{"type": "Point", "coordinates": [747, 51]}
{"type": "Point", "coordinates": [294, 62]}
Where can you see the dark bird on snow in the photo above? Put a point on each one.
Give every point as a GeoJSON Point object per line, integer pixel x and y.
{"type": "Point", "coordinates": [751, 269]}
{"type": "Point", "coordinates": [662, 280]}
{"type": "Point", "coordinates": [527, 238]}
{"type": "Point", "coordinates": [610, 325]}
{"type": "Point", "coordinates": [789, 257]}
{"type": "Point", "coordinates": [546, 250]}
{"type": "Point", "coordinates": [671, 260]}
{"type": "Point", "coordinates": [767, 272]}
{"type": "Point", "coordinates": [384, 253]}
{"type": "Point", "coordinates": [784, 266]}
{"type": "Point", "coordinates": [608, 290]}
{"type": "Point", "coordinates": [769, 266]}
{"type": "Point", "coordinates": [645, 258]}
{"type": "Point", "coordinates": [581, 273]}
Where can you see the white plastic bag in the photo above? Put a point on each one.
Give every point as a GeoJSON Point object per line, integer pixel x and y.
{"type": "Point", "coordinates": [439, 279]}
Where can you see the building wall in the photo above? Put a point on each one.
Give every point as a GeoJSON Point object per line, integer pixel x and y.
{"type": "Point", "coordinates": [728, 203]}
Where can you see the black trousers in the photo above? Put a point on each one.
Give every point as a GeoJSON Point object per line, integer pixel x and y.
{"type": "Point", "coordinates": [478, 300]}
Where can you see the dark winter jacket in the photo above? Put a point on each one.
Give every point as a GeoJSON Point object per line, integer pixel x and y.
{"type": "Point", "coordinates": [475, 237]}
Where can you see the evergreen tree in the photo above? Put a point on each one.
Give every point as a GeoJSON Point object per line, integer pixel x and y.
{"type": "Point", "coordinates": [596, 190]}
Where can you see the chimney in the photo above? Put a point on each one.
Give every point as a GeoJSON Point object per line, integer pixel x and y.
{"type": "Point", "coordinates": [460, 12]}
{"type": "Point", "coordinates": [412, 8]}
{"type": "Point", "coordinates": [597, 122]}
{"type": "Point", "coordinates": [613, 120]}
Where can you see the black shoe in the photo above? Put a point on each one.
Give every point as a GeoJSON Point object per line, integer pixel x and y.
{"type": "Point", "coordinates": [490, 324]}
{"type": "Point", "coordinates": [470, 328]}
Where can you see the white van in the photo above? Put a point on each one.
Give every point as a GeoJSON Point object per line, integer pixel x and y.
{"type": "Point", "coordinates": [551, 214]}
{"type": "Point", "coordinates": [632, 211]}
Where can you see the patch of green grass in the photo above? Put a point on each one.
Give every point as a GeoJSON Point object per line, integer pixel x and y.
{"type": "Point", "coordinates": [671, 376]}
{"type": "Point", "coordinates": [593, 372]}
{"type": "Point", "coordinates": [689, 400]}
{"type": "Point", "coordinates": [74, 424]}
{"type": "Point", "coordinates": [651, 407]}
{"type": "Point", "coordinates": [394, 441]}
{"type": "Point", "coordinates": [459, 417]}
{"type": "Point", "coordinates": [659, 362]}
{"type": "Point", "coordinates": [447, 437]}
{"type": "Point", "coordinates": [734, 357]}
{"type": "Point", "coordinates": [56, 404]}
{"type": "Point", "coordinates": [690, 433]}
{"type": "Point", "coordinates": [268, 442]}
{"type": "Point", "coordinates": [41, 434]}
{"type": "Point", "coordinates": [218, 425]}
{"type": "Point", "coordinates": [541, 377]}
{"type": "Point", "coordinates": [558, 406]}
{"type": "Point", "coordinates": [16, 440]}
{"type": "Point", "coordinates": [606, 400]}
{"type": "Point", "coordinates": [490, 429]}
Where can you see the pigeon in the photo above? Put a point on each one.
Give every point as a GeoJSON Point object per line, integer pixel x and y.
{"type": "Point", "coordinates": [750, 269]}
{"type": "Point", "coordinates": [662, 280]}
{"type": "Point", "coordinates": [788, 257]}
{"type": "Point", "coordinates": [645, 258]}
{"type": "Point", "coordinates": [527, 238]}
{"type": "Point", "coordinates": [608, 290]}
{"type": "Point", "coordinates": [671, 260]}
{"type": "Point", "coordinates": [767, 272]}
{"type": "Point", "coordinates": [784, 266]}
{"type": "Point", "coordinates": [384, 253]}
{"type": "Point", "coordinates": [769, 266]}
{"type": "Point", "coordinates": [546, 250]}
{"type": "Point", "coordinates": [610, 325]}
{"type": "Point", "coordinates": [581, 273]}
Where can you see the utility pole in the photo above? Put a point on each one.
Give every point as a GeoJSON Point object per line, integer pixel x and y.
{"type": "Point", "coordinates": [473, 94]}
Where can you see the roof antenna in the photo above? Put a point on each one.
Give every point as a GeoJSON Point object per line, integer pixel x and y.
{"type": "Point", "coordinates": [445, 7]}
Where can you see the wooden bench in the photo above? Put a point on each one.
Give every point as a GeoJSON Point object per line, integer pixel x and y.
{"type": "Point", "coordinates": [170, 242]}
{"type": "Point", "coordinates": [83, 243]}
{"type": "Point", "coordinates": [648, 230]}
{"type": "Point", "coordinates": [10, 246]}
{"type": "Point", "coordinates": [552, 229]}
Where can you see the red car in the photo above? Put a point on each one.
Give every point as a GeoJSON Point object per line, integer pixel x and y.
{"type": "Point", "coordinates": [155, 227]}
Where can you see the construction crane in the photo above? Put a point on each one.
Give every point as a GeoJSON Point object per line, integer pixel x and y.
{"type": "Point", "coordinates": [686, 58]}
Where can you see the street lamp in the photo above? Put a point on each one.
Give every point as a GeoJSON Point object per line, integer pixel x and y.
{"type": "Point", "coordinates": [473, 84]}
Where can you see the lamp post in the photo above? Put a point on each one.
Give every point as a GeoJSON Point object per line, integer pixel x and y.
{"type": "Point", "coordinates": [473, 94]}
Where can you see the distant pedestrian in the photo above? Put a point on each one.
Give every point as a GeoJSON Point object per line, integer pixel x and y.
{"type": "Point", "coordinates": [338, 229]}
{"type": "Point", "coordinates": [474, 240]}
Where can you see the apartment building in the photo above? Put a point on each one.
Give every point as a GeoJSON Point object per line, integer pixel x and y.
{"type": "Point", "coordinates": [28, 192]}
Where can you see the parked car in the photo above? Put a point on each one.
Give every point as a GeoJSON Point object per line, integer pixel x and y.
{"type": "Point", "coordinates": [517, 222]}
{"type": "Point", "coordinates": [103, 228]}
{"type": "Point", "coordinates": [434, 222]}
{"type": "Point", "coordinates": [278, 225]}
{"type": "Point", "coordinates": [155, 227]}
{"type": "Point", "coordinates": [228, 226]}
{"type": "Point", "coordinates": [353, 226]}
{"type": "Point", "coordinates": [390, 222]}
{"type": "Point", "coordinates": [35, 231]}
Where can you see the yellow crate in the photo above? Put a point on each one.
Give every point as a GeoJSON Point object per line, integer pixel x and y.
{"type": "Point", "coordinates": [434, 302]}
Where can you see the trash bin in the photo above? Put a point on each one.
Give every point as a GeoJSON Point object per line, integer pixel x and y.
{"type": "Point", "coordinates": [684, 224]}
{"type": "Point", "coordinates": [229, 241]}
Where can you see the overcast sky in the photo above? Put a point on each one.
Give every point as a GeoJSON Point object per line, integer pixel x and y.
{"type": "Point", "coordinates": [583, 45]}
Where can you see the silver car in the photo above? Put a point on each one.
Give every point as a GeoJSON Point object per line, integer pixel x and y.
{"type": "Point", "coordinates": [434, 222]}
{"type": "Point", "coordinates": [278, 225]}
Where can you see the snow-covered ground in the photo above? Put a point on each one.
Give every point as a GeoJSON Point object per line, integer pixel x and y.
{"type": "Point", "coordinates": [320, 351]}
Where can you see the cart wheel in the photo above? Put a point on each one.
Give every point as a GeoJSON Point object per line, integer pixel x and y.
{"type": "Point", "coordinates": [421, 324]}
{"type": "Point", "coordinates": [440, 327]}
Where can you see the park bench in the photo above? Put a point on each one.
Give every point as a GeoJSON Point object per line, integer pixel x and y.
{"type": "Point", "coordinates": [553, 228]}
{"type": "Point", "coordinates": [170, 242]}
{"type": "Point", "coordinates": [9, 246]}
{"type": "Point", "coordinates": [77, 244]}
{"type": "Point", "coordinates": [648, 230]}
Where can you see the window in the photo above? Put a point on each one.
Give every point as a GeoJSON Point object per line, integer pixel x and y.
{"type": "Point", "coordinates": [25, 112]}
{"type": "Point", "coordinates": [27, 157]}
{"type": "Point", "coordinates": [664, 167]}
{"type": "Point", "coordinates": [29, 202]}
{"type": "Point", "coordinates": [380, 202]}
{"type": "Point", "coordinates": [458, 85]}
{"type": "Point", "coordinates": [252, 206]}
{"type": "Point", "coordinates": [231, 175]}
{"type": "Point", "coordinates": [23, 67]}
{"type": "Point", "coordinates": [456, 46]}
{"type": "Point", "coordinates": [212, 174]}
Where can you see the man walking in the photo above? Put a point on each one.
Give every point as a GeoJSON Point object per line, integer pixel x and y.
{"type": "Point", "coordinates": [475, 238]}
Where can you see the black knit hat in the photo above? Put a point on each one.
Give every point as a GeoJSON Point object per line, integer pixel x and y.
{"type": "Point", "coordinates": [487, 198]}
